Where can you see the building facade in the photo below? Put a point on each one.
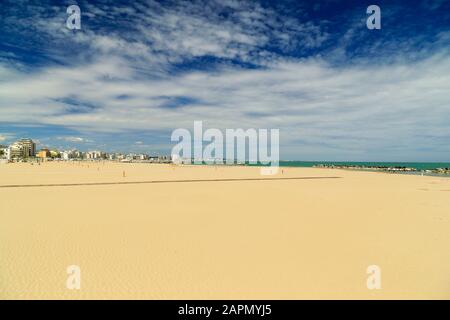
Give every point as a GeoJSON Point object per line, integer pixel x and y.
{"type": "Point", "coordinates": [24, 148]}
{"type": "Point", "coordinates": [15, 151]}
{"type": "Point", "coordinates": [44, 153]}
{"type": "Point", "coordinates": [28, 147]}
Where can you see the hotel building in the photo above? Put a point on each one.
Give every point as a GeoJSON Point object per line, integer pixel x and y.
{"type": "Point", "coordinates": [29, 147]}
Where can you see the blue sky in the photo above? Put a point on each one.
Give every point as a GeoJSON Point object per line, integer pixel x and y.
{"type": "Point", "coordinates": [137, 70]}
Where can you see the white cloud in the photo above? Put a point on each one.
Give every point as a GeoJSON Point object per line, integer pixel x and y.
{"type": "Point", "coordinates": [353, 108]}
{"type": "Point", "coordinates": [160, 34]}
{"type": "Point", "coordinates": [6, 137]}
{"type": "Point", "coordinates": [321, 109]}
{"type": "Point", "coordinates": [71, 139]}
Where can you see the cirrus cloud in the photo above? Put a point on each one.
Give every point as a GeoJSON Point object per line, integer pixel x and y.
{"type": "Point", "coordinates": [149, 68]}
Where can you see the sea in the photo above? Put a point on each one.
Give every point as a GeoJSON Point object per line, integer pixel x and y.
{"type": "Point", "coordinates": [420, 166]}
{"type": "Point", "coordinates": [423, 168]}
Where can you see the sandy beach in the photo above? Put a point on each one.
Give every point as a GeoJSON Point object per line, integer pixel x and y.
{"type": "Point", "coordinates": [306, 233]}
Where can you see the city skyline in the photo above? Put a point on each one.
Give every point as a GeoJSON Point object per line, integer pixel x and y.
{"type": "Point", "coordinates": [135, 72]}
{"type": "Point", "coordinates": [33, 150]}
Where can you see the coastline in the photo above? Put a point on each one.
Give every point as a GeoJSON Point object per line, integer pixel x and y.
{"type": "Point", "coordinates": [240, 239]}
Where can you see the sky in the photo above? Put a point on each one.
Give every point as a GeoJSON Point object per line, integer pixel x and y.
{"type": "Point", "coordinates": [137, 70]}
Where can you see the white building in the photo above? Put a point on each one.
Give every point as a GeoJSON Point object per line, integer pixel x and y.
{"type": "Point", "coordinates": [65, 155]}
{"type": "Point", "coordinates": [70, 154]}
{"type": "Point", "coordinates": [95, 155]}
{"type": "Point", "coordinates": [14, 151]}
{"type": "Point", "coordinates": [29, 147]}
{"type": "Point", "coordinates": [24, 148]}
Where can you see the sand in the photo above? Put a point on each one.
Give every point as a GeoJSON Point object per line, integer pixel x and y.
{"type": "Point", "coordinates": [249, 239]}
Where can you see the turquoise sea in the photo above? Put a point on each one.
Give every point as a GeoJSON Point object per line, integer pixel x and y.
{"type": "Point", "coordinates": [416, 165]}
